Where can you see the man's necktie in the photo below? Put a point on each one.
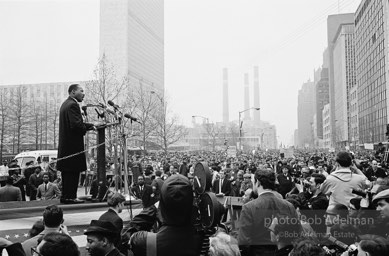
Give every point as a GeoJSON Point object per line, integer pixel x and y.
{"type": "Point", "coordinates": [45, 187]}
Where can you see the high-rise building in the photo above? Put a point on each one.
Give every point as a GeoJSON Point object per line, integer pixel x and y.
{"type": "Point", "coordinates": [322, 98]}
{"type": "Point", "coordinates": [327, 126]}
{"type": "Point", "coordinates": [334, 24]}
{"type": "Point", "coordinates": [246, 97]}
{"type": "Point", "coordinates": [226, 112]}
{"type": "Point", "coordinates": [305, 113]}
{"type": "Point", "coordinates": [371, 57]}
{"type": "Point", "coordinates": [344, 82]}
{"type": "Point", "coordinates": [257, 113]}
{"type": "Point", "coordinates": [132, 40]}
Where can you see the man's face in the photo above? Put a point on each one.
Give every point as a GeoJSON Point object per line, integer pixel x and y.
{"type": "Point", "coordinates": [222, 174]}
{"type": "Point", "coordinates": [313, 186]}
{"type": "Point", "coordinates": [141, 181]}
{"type": "Point", "coordinates": [247, 196]}
{"type": "Point", "coordinates": [374, 164]}
{"type": "Point", "coordinates": [94, 246]}
{"type": "Point", "coordinates": [78, 94]}
{"type": "Point", "coordinates": [285, 171]}
{"type": "Point", "coordinates": [383, 208]}
{"type": "Point", "coordinates": [45, 178]}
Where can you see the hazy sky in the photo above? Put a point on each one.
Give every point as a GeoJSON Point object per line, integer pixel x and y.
{"type": "Point", "coordinates": [54, 41]}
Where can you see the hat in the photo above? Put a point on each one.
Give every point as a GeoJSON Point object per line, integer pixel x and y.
{"type": "Point", "coordinates": [381, 195]}
{"type": "Point", "coordinates": [102, 227]}
{"type": "Point", "coordinates": [246, 175]}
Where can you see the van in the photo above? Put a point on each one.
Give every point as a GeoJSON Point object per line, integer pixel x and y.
{"type": "Point", "coordinates": [41, 157]}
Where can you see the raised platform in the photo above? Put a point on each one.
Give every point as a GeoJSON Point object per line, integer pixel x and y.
{"type": "Point", "coordinates": [31, 208]}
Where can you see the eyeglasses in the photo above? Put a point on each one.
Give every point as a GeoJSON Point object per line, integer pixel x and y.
{"type": "Point", "coordinates": [35, 252]}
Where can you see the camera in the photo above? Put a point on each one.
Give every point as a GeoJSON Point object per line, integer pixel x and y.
{"type": "Point", "coordinates": [339, 248]}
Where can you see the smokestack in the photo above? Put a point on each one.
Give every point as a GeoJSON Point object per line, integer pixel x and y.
{"type": "Point", "coordinates": [226, 112]}
{"type": "Point", "coordinates": [246, 97]}
{"type": "Point", "coordinates": [257, 113]}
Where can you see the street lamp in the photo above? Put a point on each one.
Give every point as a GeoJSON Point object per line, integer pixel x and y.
{"type": "Point", "coordinates": [207, 123]}
{"type": "Point", "coordinates": [240, 126]}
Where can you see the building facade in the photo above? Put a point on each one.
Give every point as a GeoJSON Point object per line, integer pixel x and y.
{"type": "Point", "coordinates": [344, 80]}
{"type": "Point", "coordinates": [326, 113]}
{"type": "Point", "coordinates": [371, 49]}
{"type": "Point", "coordinates": [132, 40]}
{"type": "Point", "coordinates": [305, 113]}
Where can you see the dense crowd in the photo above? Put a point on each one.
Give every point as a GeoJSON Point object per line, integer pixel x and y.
{"type": "Point", "coordinates": [311, 203]}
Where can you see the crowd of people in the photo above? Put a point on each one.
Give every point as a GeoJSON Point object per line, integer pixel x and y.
{"type": "Point", "coordinates": [313, 203]}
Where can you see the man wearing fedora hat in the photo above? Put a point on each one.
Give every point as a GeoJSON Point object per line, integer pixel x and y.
{"type": "Point", "coordinates": [101, 239]}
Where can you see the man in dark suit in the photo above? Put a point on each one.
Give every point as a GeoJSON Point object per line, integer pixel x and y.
{"type": "Point", "coordinates": [71, 141]}
{"type": "Point", "coordinates": [9, 192]}
{"type": "Point", "coordinates": [222, 185]}
{"type": "Point", "coordinates": [257, 215]}
{"type": "Point", "coordinates": [143, 191]}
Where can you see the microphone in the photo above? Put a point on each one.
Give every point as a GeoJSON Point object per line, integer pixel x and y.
{"type": "Point", "coordinates": [84, 109]}
{"type": "Point", "coordinates": [131, 118]}
{"type": "Point", "coordinates": [99, 115]}
{"type": "Point", "coordinates": [116, 107]}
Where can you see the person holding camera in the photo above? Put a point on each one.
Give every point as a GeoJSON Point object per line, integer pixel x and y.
{"type": "Point", "coordinates": [53, 222]}
{"type": "Point", "coordinates": [177, 236]}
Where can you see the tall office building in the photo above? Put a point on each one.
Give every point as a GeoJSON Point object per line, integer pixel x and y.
{"type": "Point", "coordinates": [305, 113]}
{"type": "Point", "coordinates": [132, 40]}
{"type": "Point", "coordinates": [334, 23]}
{"type": "Point", "coordinates": [226, 112]}
{"type": "Point", "coordinates": [344, 82]}
{"type": "Point", "coordinates": [322, 98]}
{"type": "Point", "coordinates": [246, 97]}
{"type": "Point", "coordinates": [371, 51]}
{"type": "Point", "coordinates": [257, 113]}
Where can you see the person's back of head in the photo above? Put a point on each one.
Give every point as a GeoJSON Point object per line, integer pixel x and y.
{"type": "Point", "coordinates": [115, 198]}
{"type": "Point", "coordinates": [176, 201]}
{"type": "Point", "coordinates": [306, 247]}
{"type": "Point", "coordinates": [374, 245]}
{"type": "Point", "coordinates": [57, 244]}
{"type": "Point", "coordinates": [266, 179]}
{"type": "Point", "coordinates": [344, 159]}
{"type": "Point", "coordinates": [223, 245]}
{"type": "Point", "coordinates": [52, 216]}
{"type": "Point", "coordinates": [158, 173]}
{"type": "Point", "coordinates": [10, 180]}
{"type": "Point", "coordinates": [36, 228]}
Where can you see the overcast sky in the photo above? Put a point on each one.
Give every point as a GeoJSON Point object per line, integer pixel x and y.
{"type": "Point", "coordinates": [55, 41]}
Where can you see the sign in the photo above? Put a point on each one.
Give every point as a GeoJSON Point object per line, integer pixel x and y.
{"type": "Point", "coordinates": [231, 152]}
{"type": "Point", "coordinates": [288, 152]}
{"type": "Point", "coordinates": [369, 146]}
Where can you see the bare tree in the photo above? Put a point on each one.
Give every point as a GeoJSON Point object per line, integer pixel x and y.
{"type": "Point", "coordinates": [20, 117]}
{"type": "Point", "coordinates": [168, 131]}
{"type": "Point", "coordinates": [4, 112]}
{"type": "Point", "coordinates": [213, 132]}
{"type": "Point", "coordinates": [144, 108]}
{"type": "Point", "coordinates": [104, 87]}
{"type": "Point", "coordinates": [36, 120]}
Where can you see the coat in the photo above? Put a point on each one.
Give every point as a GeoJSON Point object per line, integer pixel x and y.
{"type": "Point", "coordinates": [226, 187]}
{"type": "Point", "coordinates": [145, 196]}
{"type": "Point", "coordinates": [52, 191]}
{"type": "Point", "coordinates": [10, 193]}
{"type": "Point", "coordinates": [71, 137]}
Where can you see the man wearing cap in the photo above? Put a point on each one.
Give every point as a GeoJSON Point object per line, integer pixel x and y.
{"type": "Point", "coordinates": [382, 202]}
{"type": "Point", "coordinates": [101, 239]}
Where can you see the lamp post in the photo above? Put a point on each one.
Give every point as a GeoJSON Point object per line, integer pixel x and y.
{"type": "Point", "coordinates": [206, 122]}
{"type": "Point", "coordinates": [240, 126]}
